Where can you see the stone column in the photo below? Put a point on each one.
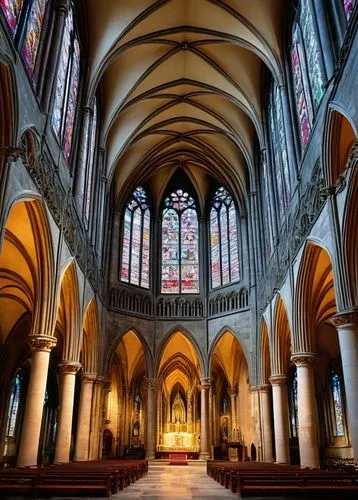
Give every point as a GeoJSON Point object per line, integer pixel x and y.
{"type": "Point", "coordinates": [346, 323]}
{"type": "Point", "coordinates": [150, 438]}
{"type": "Point", "coordinates": [204, 421]}
{"type": "Point", "coordinates": [168, 412]}
{"type": "Point", "coordinates": [232, 395]}
{"type": "Point", "coordinates": [41, 347]}
{"type": "Point", "coordinates": [95, 418]}
{"type": "Point", "coordinates": [280, 418]}
{"type": "Point", "coordinates": [255, 416]}
{"type": "Point", "coordinates": [307, 418]}
{"type": "Point", "coordinates": [82, 158]}
{"type": "Point", "coordinates": [68, 370]}
{"type": "Point", "coordinates": [84, 417]}
{"type": "Point", "coordinates": [266, 421]}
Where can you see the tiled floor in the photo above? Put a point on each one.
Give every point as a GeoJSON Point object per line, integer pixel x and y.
{"type": "Point", "coordinates": [166, 482]}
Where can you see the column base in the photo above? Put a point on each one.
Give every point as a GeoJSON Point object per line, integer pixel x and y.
{"type": "Point", "coordinates": [204, 456]}
{"type": "Point", "coordinates": [150, 455]}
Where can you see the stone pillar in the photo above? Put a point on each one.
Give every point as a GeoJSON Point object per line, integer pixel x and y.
{"type": "Point", "coordinates": [232, 395]}
{"type": "Point", "coordinates": [168, 411]}
{"type": "Point", "coordinates": [30, 437]}
{"type": "Point", "coordinates": [84, 417]}
{"type": "Point", "coordinates": [95, 419]}
{"type": "Point", "coordinates": [204, 431]}
{"type": "Point", "coordinates": [82, 158]}
{"type": "Point", "coordinates": [280, 418]}
{"type": "Point", "coordinates": [266, 421]}
{"type": "Point", "coordinates": [150, 438]}
{"type": "Point", "coordinates": [346, 323]}
{"type": "Point", "coordinates": [307, 418]}
{"type": "Point", "coordinates": [256, 424]}
{"type": "Point", "coordinates": [68, 370]}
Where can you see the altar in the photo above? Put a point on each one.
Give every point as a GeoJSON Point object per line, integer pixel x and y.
{"type": "Point", "coordinates": [178, 441]}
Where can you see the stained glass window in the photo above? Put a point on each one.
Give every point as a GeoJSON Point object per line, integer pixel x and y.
{"type": "Point", "coordinates": [267, 211]}
{"type": "Point", "coordinates": [337, 403]}
{"type": "Point", "coordinates": [293, 399]}
{"type": "Point", "coordinates": [90, 145]}
{"type": "Point", "coordinates": [14, 406]}
{"type": "Point", "coordinates": [12, 11]}
{"type": "Point", "coordinates": [25, 20]}
{"type": "Point", "coordinates": [279, 149]}
{"type": "Point", "coordinates": [66, 87]}
{"type": "Point", "coordinates": [224, 250]}
{"type": "Point", "coordinates": [136, 240]}
{"type": "Point", "coordinates": [306, 68]}
{"type": "Point", "coordinates": [180, 244]}
{"type": "Point", "coordinates": [348, 6]}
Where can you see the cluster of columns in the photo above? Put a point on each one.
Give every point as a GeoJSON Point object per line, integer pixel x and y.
{"type": "Point", "coordinates": [90, 412]}
{"type": "Point", "coordinates": [346, 323]}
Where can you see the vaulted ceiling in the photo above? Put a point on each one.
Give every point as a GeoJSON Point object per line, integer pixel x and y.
{"type": "Point", "coordinates": [181, 84]}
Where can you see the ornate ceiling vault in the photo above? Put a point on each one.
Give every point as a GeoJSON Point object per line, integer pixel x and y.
{"type": "Point", "coordinates": [180, 82]}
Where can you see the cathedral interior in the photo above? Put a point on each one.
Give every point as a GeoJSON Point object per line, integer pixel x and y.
{"type": "Point", "coordinates": [178, 230]}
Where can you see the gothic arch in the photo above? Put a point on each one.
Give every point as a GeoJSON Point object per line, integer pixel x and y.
{"type": "Point", "coordinates": [264, 355]}
{"type": "Point", "coordinates": [315, 299]}
{"type": "Point", "coordinates": [281, 344]}
{"type": "Point", "coordinates": [90, 338]}
{"type": "Point", "coordinates": [217, 339]}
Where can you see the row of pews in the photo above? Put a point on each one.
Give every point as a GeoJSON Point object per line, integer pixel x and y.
{"type": "Point", "coordinates": [98, 478]}
{"type": "Point", "coordinates": [266, 479]}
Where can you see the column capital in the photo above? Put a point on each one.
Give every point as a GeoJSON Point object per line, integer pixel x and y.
{"type": "Point", "coordinates": [345, 320]}
{"type": "Point", "coordinates": [69, 367]}
{"type": "Point", "coordinates": [151, 383]}
{"type": "Point", "coordinates": [263, 387]}
{"type": "Point", "coordinates": [205, 383]}
{"type": "Point", "coordinates": [278, 380]}
{"type": "Point", "coordinates": [88, 377]}
{"type": "Point", "coordinates": [304, 358]}
{"type": "Point", "coordinates": [253, 388]}
{"type": "Point", "coordinates": [100, 379]}
{"type": "Point", "coordinates": [41, 342]}
{"type": "Point", "coordinates": [231, 393]}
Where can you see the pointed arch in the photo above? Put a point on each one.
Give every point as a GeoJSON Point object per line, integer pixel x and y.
{"type": "Point", "coordinates": [68, 323]}
{"type": "Point", "coordinates": [281, 340]}
{"type": "Point", "coordinates": [90, 338]}
{"type": "Point", "coordinates": [144, 346]}
{"type": "Point", "coordinates": [315, 299]}
{"type": "Point", "coordinates": [265, 363]}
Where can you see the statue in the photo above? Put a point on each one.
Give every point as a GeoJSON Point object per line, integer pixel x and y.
{"type": "Point", "coordinates": [177, 425]}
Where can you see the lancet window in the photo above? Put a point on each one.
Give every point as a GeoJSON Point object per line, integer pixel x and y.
{"type": "Point", "coordinates": [293, 402]}
{"type": "Point", "coordinates": [267, 211]}
{"type": "Point", "coordinates": [67, 86]}
{"type": "Point", "coordinates": [136, 240]}
{"type": "Point", "coordinates": [25, 20]}
{"type": "Point", "coordinates": [306, 68]}
{"type": "Point", "coordinates": [348, 6]}
{"type": "Point", "coordinates": [338, 404]}
{"type": "Point", "coordinates": [223, 239]}
{"type": "Point", "coordinates": [180, 244]}
{"type": "Point", "coordinates": [14, 406]}
{"type": "Point", "coordinates": [279, 149]}
{"type": "Point", "coordinates": [90, 142]}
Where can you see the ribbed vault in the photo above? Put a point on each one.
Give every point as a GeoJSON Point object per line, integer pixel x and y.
{"type": "Point", "coordinates": [180, 83]}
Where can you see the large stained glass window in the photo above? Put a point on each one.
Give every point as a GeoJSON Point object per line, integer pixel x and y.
{"type": "Point", "coordinates": [337, 403]}
{"type": "Point", "coordinates": [90, 143]}
{"type": "Point", "coordinates": [136, 240]}
{"type": "Point", "coordinates": [25, 20]}
{"type": "Point", "coordinates": [348, 6]}
{"type": "Point", "coordinates": [223, 239]}
{"type": "Point", "coordinates": [306, 67]}
{"type": "Point", "coordinates": [180, 244]}
{"type": "Point", "coordinates": [267, 211]}
{"type": "Point", "coordinates": [279, 149]}
{"type": "Point", "coordinates": [66, 87]}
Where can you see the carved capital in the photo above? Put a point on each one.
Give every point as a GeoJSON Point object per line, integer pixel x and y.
{"type": "Point", "coordinates": [278, 380]}
{"type": "Point", "coordinates": [205, 383]}
{"type": "Point", "coordinates": [100, 380]}
{"type": "Point", "coordinates": [345, 320]}
{"type": "Point", "coordinates": [304, 359]}
{"type": "Point", "coordinates": [263, 387]}
{"type": "Point", "coordinates": [231, 393]}
{"type": "Point", "coordinates": [88, 378]}
{"type": "Point", "coordinates": [253, 389]}
{"type": "Point", "coordinates": [151, 383]}
{"type": "Point", "coordinates": [41, 342]}
{"type": "Point", "coordinates": [69, 367]}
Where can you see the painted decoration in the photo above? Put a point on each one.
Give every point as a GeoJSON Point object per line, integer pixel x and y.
{"type": "Point", "coordinates": [135, 265]}
{"type": "Point", "coordinates": [224, 249]}
{"type": "Point", "coordinates": [12, 11]}
{"type": "Point", "coordinates": [180, 244]}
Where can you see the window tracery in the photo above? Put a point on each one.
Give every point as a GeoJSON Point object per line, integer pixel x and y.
{"type": "Point", "coordinates": [25, 20]}
{"type": "Point", "coordinates": [306, 68]}
{"type": "Point", "coordinates": [223, 239]}
{"type": "Point", "coordinates": [267, 212]}
{"type": "Point", "coordinates": [136, 240]}
{"type": "Point", "coordinates": [67, 86]}
{"type": "Point", "coordinates": [180, 244]}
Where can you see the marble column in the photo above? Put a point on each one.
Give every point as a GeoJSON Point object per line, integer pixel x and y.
{"type": "Point", "coordinates": [280, 418]}
{"type": "Point", "coordinates": [204, 422]}
{"type": "Point", "coordinates": [41, 346]}
{"type": "Point", "coordinates": [346, 323]}
{"type": "Point", "coordinates": [152, 384]}
{"type": "Point", "coordinates": [68, 370]}
{"type": "Point", "coordinates": [307, 417]}
{"type": "Point", "coordinates": [84, 417]}
{"type": "Point", "coordinates": [266, 421]}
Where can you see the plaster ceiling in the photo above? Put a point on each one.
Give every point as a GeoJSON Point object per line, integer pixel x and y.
{"type": "Point", "coordinates": [180, 82]}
